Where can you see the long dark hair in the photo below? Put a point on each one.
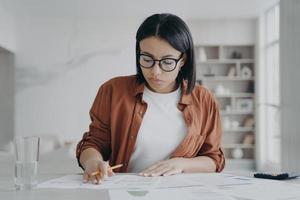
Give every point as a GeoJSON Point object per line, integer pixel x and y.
{"type": "Point", "coordinates": [175, 31]}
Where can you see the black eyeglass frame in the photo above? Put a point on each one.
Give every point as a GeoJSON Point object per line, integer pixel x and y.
{"type": "Point", "coordinates": [159, 61]}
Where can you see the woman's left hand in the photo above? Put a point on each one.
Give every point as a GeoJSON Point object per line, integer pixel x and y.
{"type": "Point", "coordinates": [165, 168]}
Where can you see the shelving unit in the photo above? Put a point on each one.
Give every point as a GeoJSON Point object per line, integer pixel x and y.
{"type": "Point", "coordinates": [229, 72]}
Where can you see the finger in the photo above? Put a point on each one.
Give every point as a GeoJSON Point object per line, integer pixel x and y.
{"type": "Point", "coordinates": [172, 172]}
{"type": "Point", "coordinates": [147, 171]}
{"type": "Point", "coordinates": [159, 171]}
{"type": "Point", "coordinates": [104, 170]}
{"type": "Point", "coordinates": [153, 171]}
{"type": "Point", "coordinates": [88, 178]}
{"type": "Point", "coordinates": [97, 177]}
{"type": "Point", "coordinates": [85, 177]}
{"type": "Point", "coordinates": [93, 179]}
{"type": "Point", "coordinates": [110, 172]}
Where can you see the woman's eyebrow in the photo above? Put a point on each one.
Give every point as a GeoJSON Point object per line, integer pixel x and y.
{"type": "Point", "coordinates": [165, 56]}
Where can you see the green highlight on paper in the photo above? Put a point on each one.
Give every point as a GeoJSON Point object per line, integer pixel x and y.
{"type": "Point", "coordinates": [138, 193]}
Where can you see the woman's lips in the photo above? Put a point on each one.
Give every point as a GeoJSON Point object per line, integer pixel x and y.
{"type": "Point", "coordinates": [155, 80]}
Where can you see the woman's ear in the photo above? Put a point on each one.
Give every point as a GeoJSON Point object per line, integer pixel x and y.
{"type": "Point", "coordinates": [182, 60]}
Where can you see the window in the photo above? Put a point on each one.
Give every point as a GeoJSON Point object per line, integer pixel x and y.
{"type": "Point", "coordinates": [270, 102]}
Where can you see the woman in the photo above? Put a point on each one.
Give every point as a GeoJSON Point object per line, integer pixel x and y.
{"type": "Point", "coordinates": [157, 122]}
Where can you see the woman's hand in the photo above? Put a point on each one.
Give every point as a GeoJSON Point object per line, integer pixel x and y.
{"type": "Point", "coordinates": [165, 168]}
{"type": "Point", "coordinates": [96, 171]}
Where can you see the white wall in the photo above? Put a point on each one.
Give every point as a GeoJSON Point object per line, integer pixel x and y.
{"type": "Point", "coordinates": [7, 78]}
{"type": "Point", "coordinates": [60, 65]}
{"type": "Point", "coordinates": [289, 79]}
{"type": "Point", "coordinates": [7, 29]}
{"type": "Point", "coordinates": [7, 103]}
{"type": "Point", "coordinates": [224, 31]}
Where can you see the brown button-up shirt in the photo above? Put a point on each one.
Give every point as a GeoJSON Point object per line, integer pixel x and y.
{"type": "Point", "coordinates": [117, 113]}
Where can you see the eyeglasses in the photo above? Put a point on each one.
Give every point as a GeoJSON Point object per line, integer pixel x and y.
{"type": "Point", "coordinates": [166, 64]}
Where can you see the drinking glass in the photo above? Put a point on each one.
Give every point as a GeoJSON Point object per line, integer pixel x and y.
{"type": "Point", "coordinates": [26, 159]}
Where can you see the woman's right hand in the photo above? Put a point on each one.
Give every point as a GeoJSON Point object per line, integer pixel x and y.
{"type": "Point", "coordinates": [96, 171]}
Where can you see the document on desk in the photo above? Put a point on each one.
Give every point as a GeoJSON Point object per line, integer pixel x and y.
{"type": "Point", "coordinates": [114, 182]}
{"type": "Point", "coordinates": [271, 190]}
{"type": "Point", "coordinates": [193, 193]}
{"type": "Point", "coordinates": [124, 181]}
{"type": "Point", "coordinates": [208, 185]}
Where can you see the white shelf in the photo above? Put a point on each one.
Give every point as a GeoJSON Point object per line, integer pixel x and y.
{"type": "Point", "coordinates": [226, 61]}
{"type": "Point", "coordinates": [236, 112]}
{"type": "Point", "coordinates": [239, 129]}
{"type": "Point", "coordinates": [223, 68]}
{"type": "Point", "coordinates": [242, 146]}
{"type": "Point", "coordinates": [236, 95]}
{"type": "Point", "coordinates": [225, 78]}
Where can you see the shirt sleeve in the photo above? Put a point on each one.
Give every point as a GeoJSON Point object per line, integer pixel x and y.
{"type": "Point", "coordinates": [212, 144]}
{"type": "Point", "coordinates": [98, 136]}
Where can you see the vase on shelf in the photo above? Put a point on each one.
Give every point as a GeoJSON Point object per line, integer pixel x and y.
{"type": "Point", "coordinates": [202, 54]}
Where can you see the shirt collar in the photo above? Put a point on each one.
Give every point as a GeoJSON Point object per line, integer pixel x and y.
{"type": "Point", "coordinates": [185, 99]}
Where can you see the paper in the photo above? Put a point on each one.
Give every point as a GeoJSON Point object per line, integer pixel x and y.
{"type": "Point", "coordinates": [131, 181]}
{"type": "Point", "coordinates": [208, 186]}
{"type": "Point", "coordinates": [174, 194]}
{"type": "Point", "coordinates": [274, 190]}
{"type": "Point", "coordinates": [114, 182]}
{"type": "Point", "coordinates": [125, 181]}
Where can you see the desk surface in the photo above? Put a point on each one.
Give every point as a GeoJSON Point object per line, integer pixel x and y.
{"type": "Point", "coordinates": [53, 167]}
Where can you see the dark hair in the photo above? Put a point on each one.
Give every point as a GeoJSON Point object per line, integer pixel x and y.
{"type": "Point", "coordinates": [175, 31]}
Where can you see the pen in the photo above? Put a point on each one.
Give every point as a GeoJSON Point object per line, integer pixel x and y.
{"type": "Point", "coordinates": [113, 167]}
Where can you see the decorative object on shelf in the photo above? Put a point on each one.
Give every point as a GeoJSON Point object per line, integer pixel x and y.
{"type": "Point", "coordinates": [228, 108]}
{"type": "Point", "coordinates": [250, 88]}
{"type": "Point", "coordinates": [237, 153]}
{"type": "Point", "coordinates": [235, 124]}
{"type": "Point", "coordinates": [221, 90]}
{"type": "Point", "coordinates": [209, 73]}
{"type": "Point", "coordinates": [246, 72]}
{"type": "Point", "coordinates": [248, 139]}
{"type": "Point", "coordinates": [202, 54]}
{"type": "Point", "coordinates": [226, 123]}
{"type": "Point", "coordinates": [236, 55]}
{"type": "Point", "coordinates": [249, 122]}
{"type": "Point", "coordinates": [199, 82]}
{"type": "Point", "coordinates": [244, 105]}
{"type": "Point", "coordinates": [227, 91]}
{"type": "Point", "coordinates": [232, 71]}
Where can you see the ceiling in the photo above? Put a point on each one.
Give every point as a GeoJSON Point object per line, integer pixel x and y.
{"type": "Point", "coordinates": [188, 9]}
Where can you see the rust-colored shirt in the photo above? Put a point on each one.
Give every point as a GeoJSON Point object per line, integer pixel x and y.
{"type": "Point", "coordinates": [118, 111]}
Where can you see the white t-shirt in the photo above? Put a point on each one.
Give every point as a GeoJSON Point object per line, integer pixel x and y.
{"type": "Point", "coordinates": [161, 131]}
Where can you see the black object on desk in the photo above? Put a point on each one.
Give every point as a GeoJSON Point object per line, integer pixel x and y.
{"type": "Point", "coordinates": [277, 176]}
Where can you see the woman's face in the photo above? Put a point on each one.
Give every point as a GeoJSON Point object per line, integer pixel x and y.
{"type": "Point", "coordinates": [158, 80]}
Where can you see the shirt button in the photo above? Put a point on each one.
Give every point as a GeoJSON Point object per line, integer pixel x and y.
{"type": "Point", "coordinates": [132, 137]}
{"type": "Point", "coordinates": [125, 164]}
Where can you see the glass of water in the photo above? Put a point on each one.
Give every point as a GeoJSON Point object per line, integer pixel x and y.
{"type": "Point", "coordinates": [26, 158]}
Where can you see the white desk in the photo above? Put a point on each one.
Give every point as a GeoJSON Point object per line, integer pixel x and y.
{"type": "Point", "coordinates": [54, 165]}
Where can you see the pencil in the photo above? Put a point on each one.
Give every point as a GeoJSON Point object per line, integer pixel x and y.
{"type": "Point", "coordinates": [112, 168]}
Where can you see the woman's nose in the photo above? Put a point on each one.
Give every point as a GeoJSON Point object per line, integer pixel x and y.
{"type": "Point", "coordinates": [156, 68]}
